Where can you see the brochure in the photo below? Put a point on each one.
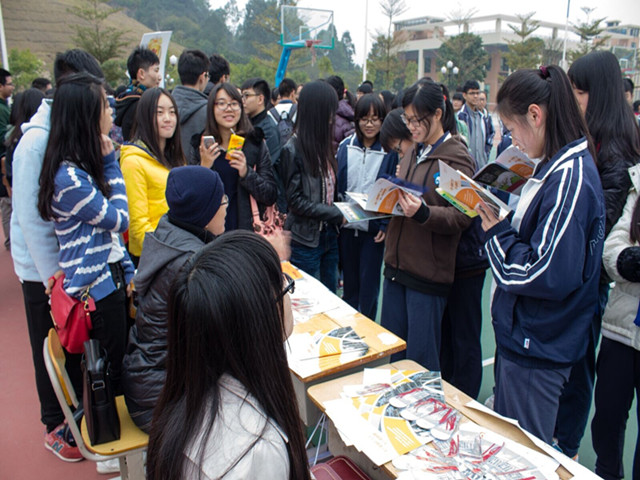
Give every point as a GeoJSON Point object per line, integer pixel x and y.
{"type": "Point", "coordinates": [508, 173]}
{"type": "Point", "coordinates": [353, 212]}
{"type": "Point", "coordinates": [464, 194]}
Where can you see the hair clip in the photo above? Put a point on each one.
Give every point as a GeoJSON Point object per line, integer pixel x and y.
{"type": "Point", "coordinates": [544, 71]}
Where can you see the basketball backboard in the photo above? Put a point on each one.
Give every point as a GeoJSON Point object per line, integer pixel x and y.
{"type": "Point", "coordinates": [306, 27]}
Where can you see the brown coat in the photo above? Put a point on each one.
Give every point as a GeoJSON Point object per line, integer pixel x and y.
{"type": "Point", "coordinates": [422, 256]}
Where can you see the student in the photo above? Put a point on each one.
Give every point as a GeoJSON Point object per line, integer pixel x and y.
{"type": "Point", "coordinates": [364, 89]}
{"type": "Point", "coordinates": [480, 132]}
{"type": "Point", "coordinates": [35, 250]}
{"type": "Point", "coordinates": [6, 90]}
{"type": "Point", "coordinates": [219, 72]}
{"type": "Point", "coordinates": [618, 373]}
{"type": "Point", "coordinates": [597, 85]}
{"type": "Point", "coordinates": [343, 124]}
{"type": "Point", "coordinates": [629, 87]}
{"type": "Point", "coordinates": [155, 149]}
{"type": "Point", "coordinates": [249, 171]}
{"type": "Point", "coordinates": [420, 248]}
{"type": "Point", "coordinates": [362, 160]}
{"type": "Point", "coordinates": [197, 208]}
{"type": "Point", "coordinates": [193, 68]}
{"type": "Point", "coordinates": [387, 98]}
{"type": "Point", "coordinates": [308, 169]}
{"type": "Point", "coordinates": [546, 260]}
{"type": "Point", "coordinates": [235, 416]}
{"type": "Point", "coordinates": [395, 136]}
{"type": "Point", "coordinates": [143, 66]}
{"type": "Point", "coordinates": [82, 191]}
{"type": "Point", "coordinates": [255, 99]}
{"type": "Point", "coordinates": [42, 84]}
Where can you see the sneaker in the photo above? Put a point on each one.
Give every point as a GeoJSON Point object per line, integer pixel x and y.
{"type": "Point", "coordinates": [108, 466]}
{"type": "Point", "coordinates": [61, 448]}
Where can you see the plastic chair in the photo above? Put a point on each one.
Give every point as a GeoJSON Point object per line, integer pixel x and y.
{"type": "Point", "coordinates": [133, 442]}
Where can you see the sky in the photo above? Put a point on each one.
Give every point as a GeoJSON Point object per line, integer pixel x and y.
{"type": "Point", "coordinates": [350, 14]}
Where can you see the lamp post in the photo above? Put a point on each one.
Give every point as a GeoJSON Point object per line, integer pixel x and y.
{"type": "Point", "coordinates": [450, 70]}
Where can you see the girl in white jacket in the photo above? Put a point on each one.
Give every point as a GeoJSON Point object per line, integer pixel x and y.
{"type": "Point", "coordinates": [618, 367]}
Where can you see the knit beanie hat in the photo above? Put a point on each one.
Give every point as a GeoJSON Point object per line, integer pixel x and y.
{"type": "Point", "coordinates": [194, 194]}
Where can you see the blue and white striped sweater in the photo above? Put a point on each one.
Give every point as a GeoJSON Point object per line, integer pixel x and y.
{"type": "Point", "coordinates": [84, 222]}
{"type": "Point", "coordinates": [547, 263]}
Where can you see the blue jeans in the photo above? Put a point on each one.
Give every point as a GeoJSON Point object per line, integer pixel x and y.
{"type": "Point", "coordinates": [415, 317]}
{"type": "Point", "coordinates": [320, 262]}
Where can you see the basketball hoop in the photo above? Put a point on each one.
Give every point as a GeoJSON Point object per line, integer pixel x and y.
{"type": "Point", "coordinates": [310, 44]}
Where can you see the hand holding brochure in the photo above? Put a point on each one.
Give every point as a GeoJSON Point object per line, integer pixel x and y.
{"type": "Point", "coordinates": [465, 194]}
{"type": "Point", "coordinates": [508, 173]}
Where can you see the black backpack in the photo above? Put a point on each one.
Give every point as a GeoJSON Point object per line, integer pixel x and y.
{"type": "Point", "coordinates": [284, 122]}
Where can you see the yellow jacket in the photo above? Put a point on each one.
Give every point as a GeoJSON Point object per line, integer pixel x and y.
{"type": "Point", "coordinates": [146, 181]}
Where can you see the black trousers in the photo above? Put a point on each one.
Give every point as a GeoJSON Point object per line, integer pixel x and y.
{"type": "Point", "coordinates": [36, 305]}
{"type": "Point", "coordinates": [460, 347]}
{"type": "Point", "coordinates": [618, 373]}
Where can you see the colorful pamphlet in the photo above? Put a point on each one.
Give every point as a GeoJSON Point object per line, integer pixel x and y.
{"type": "Point", "coordinates": [508, 173]}
{"type": "Point", "coordinates": [465, 194]}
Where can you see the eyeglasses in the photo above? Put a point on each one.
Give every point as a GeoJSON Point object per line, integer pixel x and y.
{"type": "Point", "coordinates": [247, 95]}
{"type": "Point", "coordinates": [372, 120]}
{"type": "Point", "coordinates": [225, 200]}
{"type": "Point", "coordinates": [475, 93]}
{"type": "Point", "coordinates": [412, 122]}
{"type": "Point", "coordinates": [223, 105]}
{"type": "Point", "coordinates": [290, 285]}
{"type": "Point", "coordinates": [398, 148]}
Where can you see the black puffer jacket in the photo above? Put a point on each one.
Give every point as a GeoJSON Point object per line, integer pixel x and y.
{"type": "Point", "coordinates": [308, 211]}
{"type": "Point", "coordinates": [165, 251]}
{"type": "Point", "coordinates": [616, 183]}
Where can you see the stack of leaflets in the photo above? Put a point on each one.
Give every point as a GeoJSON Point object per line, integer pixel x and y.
{"type": "Point", "coordinates": [465, 194]}
{"type": "Point", "coordinates": [381, 201]}
{"type": "Point", "coordinates": [475, 453]}
{"type": "Point", "coordinates": [508, 173]}
{"type": "Point", "coordinates": [399, 415]}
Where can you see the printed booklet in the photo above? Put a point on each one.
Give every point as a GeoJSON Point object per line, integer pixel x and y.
{"type": "Point", "coordinates": [464, 194]}
{"type": "Point", "coordinates": [508, 173]}
{"type": "Point", "coordinates": [381, 201]}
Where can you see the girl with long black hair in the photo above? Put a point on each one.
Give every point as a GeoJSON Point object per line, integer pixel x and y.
{"type": "Point", "coordinates": [82, 191]}
{"type": "Point", "coordinates": [154, 149]}
{"type": "Point", "coordinates": [546, 259]}
{"type": "Point", "coordinates": [420, 250]}
{"type": "Point", "coordinates": [228, 407]}
{"type": "Point", "coordinates": [362, 160]}
{"type": "Point", "coordinates": [247, 171]}
{"type": "Point", "coordinates": [308, 168]}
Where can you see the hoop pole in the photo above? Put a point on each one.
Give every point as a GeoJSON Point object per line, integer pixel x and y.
{"type": "Point", "coordinates": [282, 65]}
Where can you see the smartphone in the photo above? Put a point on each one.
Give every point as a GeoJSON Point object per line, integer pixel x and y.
{"type": "Point", "coordinates": [208, 141]}
{"type": "Point", "coordinates": [235, 143]}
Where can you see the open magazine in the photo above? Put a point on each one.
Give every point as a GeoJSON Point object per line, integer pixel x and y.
{"type": "Point", "coordinates": [508, 173]}
{"type": "Point", "coordinates": [464, 194]}
{"type": "Point", "coordinates": [380, 201]}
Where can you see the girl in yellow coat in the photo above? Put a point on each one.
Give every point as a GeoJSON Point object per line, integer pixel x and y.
{"type": "Point", "coordinates": [154, 149]}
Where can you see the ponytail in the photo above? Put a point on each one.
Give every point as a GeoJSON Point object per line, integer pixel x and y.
{"type": "Point", "coordinates": [547, 87]}
{"type": "Point", "coordinates": [448, 116]}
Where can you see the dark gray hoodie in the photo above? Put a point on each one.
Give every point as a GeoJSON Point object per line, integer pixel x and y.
{"type": "Point", "coordinates": [192, 108]}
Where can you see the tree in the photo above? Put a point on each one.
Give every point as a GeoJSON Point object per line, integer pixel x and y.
{"type": "Point", "coordinates": [527, 52]}
{"type": "Point", "coordinates": [460, 17]}
{"type": "Point", "coordinates": [467, 53]}
{"type": "Point", "coordinates": [25, 66]}
{"type": "Point", "coordinates": [589, 32]}
{"type": "Point", "coordinates": [552, 52]}
{"type": "Point", "coordinates": [101, 41]}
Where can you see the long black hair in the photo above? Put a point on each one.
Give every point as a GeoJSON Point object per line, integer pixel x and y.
{"type": "Point", "coordinates": [74, 136]}
{"type": "Point", "coordinates": [368, 102]}
{"type": "Point", "coordinates": [394, 129]}
{"type": "Point", "coordinates": [549, 88]}
{"type": "Point", "coordinates": [226, 315]}
{"type": "Point", "coordinates": [243, 127]}
{"type": "Point", "coordinates": [610, 120]}
{"type": "Point", "coordinates": [317, 105]}
{"type": "Point", "coordinates": [25, 105]}
{"type": "Point", "coordinates": [145, 128]}
{"type": "Point", "coordinates": [426, 97]}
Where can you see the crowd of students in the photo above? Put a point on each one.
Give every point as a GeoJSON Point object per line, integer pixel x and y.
{"type": "Point", "coordinates": [218, 399]}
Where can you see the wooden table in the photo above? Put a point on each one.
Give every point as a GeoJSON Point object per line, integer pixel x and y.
{"type": "Point", "coordinates": [382, 343]}
{"type": "Point", "coordinates": [330, 390]}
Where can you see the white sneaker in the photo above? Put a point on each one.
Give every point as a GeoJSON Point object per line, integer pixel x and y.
{"type": "Point", "coordinates": [108, 466]}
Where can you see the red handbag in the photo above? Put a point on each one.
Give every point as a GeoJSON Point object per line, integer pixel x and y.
{"type": "Point", "coordinates": [71, 317]}
{"type": "Point", "coordinates": [271, 222]}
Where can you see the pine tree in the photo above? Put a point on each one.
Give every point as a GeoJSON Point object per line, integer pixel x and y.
{"type": "Point", "coordinates": [527, 52]}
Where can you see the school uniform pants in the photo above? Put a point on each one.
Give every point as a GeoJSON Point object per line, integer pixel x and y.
{"type": "Point", "coordinates": [460, 348]}
{"type": "Point", "coordinates": [320, 262]}
{"type": "Point", "coordinates": [361, 265]}
{"type": "Point", "coordinates": [618, 371]}
{"type": "Point", "coordinates": [36, 306]}
{"type": "Point", "coordinates": [530, 395]}
{"type": "Point", "coordinates": [415, 317]}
